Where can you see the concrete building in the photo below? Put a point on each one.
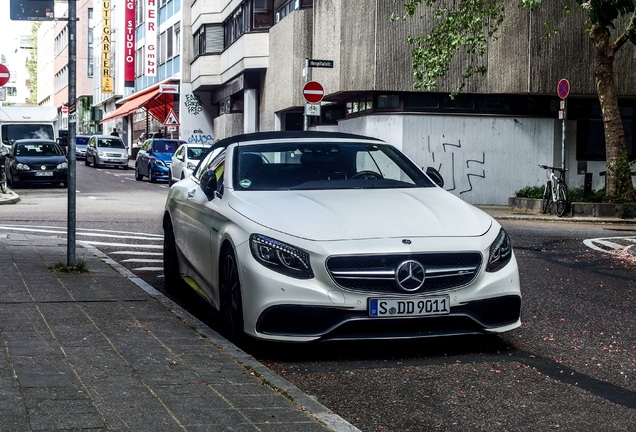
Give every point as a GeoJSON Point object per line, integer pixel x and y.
{"type": "Point", "coordinates": [241, 65]}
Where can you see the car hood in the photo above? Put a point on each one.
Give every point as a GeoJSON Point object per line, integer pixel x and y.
{"type": "Point", "coordinates": [164, 157]}
{"type": "Point", "coordinates": [40, 160]}
{"type": "Point", "coordinates": [362, 214]}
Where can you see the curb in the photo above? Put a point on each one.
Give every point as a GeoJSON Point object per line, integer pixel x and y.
{"type": "Point", "coordinates": [9, 198]}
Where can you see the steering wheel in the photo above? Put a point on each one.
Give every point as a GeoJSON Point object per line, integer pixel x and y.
{"type": "Point", "coordinates": [371, 175]}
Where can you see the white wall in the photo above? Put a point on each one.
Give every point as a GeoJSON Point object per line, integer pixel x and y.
{"type": "Point", "coordinates": [484, 160]}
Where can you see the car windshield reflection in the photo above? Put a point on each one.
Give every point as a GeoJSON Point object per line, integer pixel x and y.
{"type": "Point", "coordinates": [324, 166]}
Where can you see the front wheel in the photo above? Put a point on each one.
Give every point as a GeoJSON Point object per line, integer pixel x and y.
{"type": "Point", "coordinates": [547, 195]}
{"type": "Point", "coordinates": [138, 175]}
{"type": "Point", "coordinates": [172, 276]}
{"type": "Point", "coordinates": [151, 178]}
{"type": "Point", "coordinates": [562, 199]}
{"type": "Point", "coordinates": [231, 307]}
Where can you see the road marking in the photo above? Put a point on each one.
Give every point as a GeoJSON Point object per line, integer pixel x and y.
{"type": "Point", "coordinates": [609, 244]}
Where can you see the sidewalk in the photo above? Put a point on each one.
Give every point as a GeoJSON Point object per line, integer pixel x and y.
{"type": "Point", "coordinates": [105, 351]}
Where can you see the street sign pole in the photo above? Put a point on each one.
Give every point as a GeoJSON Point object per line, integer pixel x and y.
{"type": "Point", "coordinates": [563, 90]}
{"type": "Point", "coordinates": [307, 79]}
{"type": "Point", "coordinates": [72, 120]}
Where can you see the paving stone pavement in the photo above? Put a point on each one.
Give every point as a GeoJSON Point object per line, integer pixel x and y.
{"type": "Point", "coordinates": [105, 351]}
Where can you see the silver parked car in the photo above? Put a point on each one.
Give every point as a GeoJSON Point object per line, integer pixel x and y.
{"type": "Point", "coordinates": [106, 150]}
{"type": "Point", "coordinates": [305, 236]}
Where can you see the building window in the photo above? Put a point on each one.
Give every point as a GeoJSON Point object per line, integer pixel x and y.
{"type": "Point", "coordinates": [177, 39]}
{"type": "Point", "coordinates": [208, 39]}
{"type": "Point", "coordinates": [291, 5]}
{"type": "Point", "coordinates": [169, 43]}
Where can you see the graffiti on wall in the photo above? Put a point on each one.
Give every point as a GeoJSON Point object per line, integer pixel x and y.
{"type": "Point", "coordinates": [193, 104]}
{"type": "Point", "coordinates": [199, 137]}
{"type": "Point", "coordinates": [451, 161]}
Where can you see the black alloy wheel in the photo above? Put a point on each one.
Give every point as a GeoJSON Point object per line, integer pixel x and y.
{"type": "Point", "coordinates": [172, 278]}
{"type": "Point", "coordinates": [231, 309]}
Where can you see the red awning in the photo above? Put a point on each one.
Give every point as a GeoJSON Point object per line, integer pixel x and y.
{"type": "Point", "coordinates": [155, 103]}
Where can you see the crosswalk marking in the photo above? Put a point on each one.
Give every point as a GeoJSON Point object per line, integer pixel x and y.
{"type": "Point", "coordinates": [131, 248]}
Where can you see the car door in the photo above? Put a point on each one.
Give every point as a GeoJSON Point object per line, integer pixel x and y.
{"type": "Point", "coordinates": [178, 161]}
{"type": "Point", "coordinates": [196, 223]}
{"type": "Point", "coordinates": [91, 149]}
{"type": "Point", "coordinates": [143, 157]}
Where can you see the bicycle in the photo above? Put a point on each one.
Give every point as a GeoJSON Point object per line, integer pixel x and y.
{"type": "Point", "coordinates": [556, 191]}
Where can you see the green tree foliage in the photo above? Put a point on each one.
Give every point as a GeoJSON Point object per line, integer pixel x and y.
{"type": "Point", "coordinates": [465, 27]}
{"type": "Point", "coordinates": [32, 64]}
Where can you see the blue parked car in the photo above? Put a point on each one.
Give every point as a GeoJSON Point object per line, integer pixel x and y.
{"type": "Point", "coordinates": [154, 159]}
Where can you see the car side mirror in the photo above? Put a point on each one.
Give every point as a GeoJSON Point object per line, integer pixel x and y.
{"type": "Point", "coordinates": [209, 184]}
{"type": "Point", "coordinates": [434, 175]}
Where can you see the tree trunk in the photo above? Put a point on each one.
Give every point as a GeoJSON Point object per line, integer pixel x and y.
{"type": "Point", "coordinates": [618, 180]}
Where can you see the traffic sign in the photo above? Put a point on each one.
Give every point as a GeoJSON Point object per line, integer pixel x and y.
{"type": "Point", "coordinates": [320, 63]}
{"type": "Point", "coordinates": [4, 75]}
{"type": "Point", "coordinates": [171, 119]}
{"type": "Point", "coordinates": [312, 109]}
{"type": "Point", "coordinates": [563, 89]}
{"type": "Point", "coordinates": [313, 92]}
{"type": "Point", "coordinates": [64, 110]}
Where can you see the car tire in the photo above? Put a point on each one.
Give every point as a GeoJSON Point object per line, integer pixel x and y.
{"type": "Point", "coordinates": [87, 162]}
{"type": "Point", "coordinates": [231, 306]}
{"type": "Point", "coordinates": [172, 278]}
{"type": "Point", "coordinates": [151, 178]}
{"type": "Point", "coordinates": [170, 180]}
{"type": "Point", "coordinates": [125, 167]}
{"type": "Point", "coordinates": [65, 185]}
{"type": "Point", "coordinates": [138, 175]}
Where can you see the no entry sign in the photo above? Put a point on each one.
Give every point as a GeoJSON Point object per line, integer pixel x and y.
{"type": "Point", "coordinates": [313, 92]}
{"type": "Point", "coordinates": [4, 75]}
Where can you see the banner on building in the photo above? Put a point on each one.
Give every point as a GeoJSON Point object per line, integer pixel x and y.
{"type": "Point", "coordinates": [107, 78]}
{"type": "Point", "coordinates": [150, 67]}
{"type": "Point", "coordinates": [129, 44]}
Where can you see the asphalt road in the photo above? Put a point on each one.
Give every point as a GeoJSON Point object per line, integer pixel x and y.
{"type": "Point", "coordinates": [570, 367]}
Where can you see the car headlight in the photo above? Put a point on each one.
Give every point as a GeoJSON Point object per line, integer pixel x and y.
{"type": "Point", "coordinates": [23, 167]}
{"type": "Point", "coordinates": [63, 165]}
{"type": "Point", "coordinates": [500, 252]}
{"type": "Point", "coordinates": [281, 257]}
{"type": "Point", "coordinates": [160, 163]}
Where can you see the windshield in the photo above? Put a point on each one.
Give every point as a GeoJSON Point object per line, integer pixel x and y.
{"type": "Point", "coordinates": [195, 153]}
{"type": "Point", "coordinates": [11, 132]}
{"type": "Point", "coordinates": [81, 140]}
{"type": "Point", "coordinates": [110, 143]}
{"type": "Point", "coordinates": [37, 149]}
{"type": "Point", "coordinates": [164, 146]}
{"type": "Point", "coordinates": [324, 166]}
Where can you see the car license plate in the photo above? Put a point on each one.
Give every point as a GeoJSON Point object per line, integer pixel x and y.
{"type": "Point", "coordinates": [43, 173]}
{"type": "Point", "coordinates": [432, 305]}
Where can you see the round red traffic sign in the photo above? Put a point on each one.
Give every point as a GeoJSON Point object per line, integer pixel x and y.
{"type": "Point", "coordinates": [64, 109]}
{"type": "Point", "coordinates": [563, 89]}
{"type": "Point", "coordinates": [313, 92]}
{"type": "Point", "coordinates": [4, 75]}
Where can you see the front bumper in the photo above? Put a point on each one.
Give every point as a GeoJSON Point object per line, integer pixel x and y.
{"type": "Point", "coordinates": [160, 172]}
{"type": "Point", "coordinates": [277, 307]}
{"type": "Point", "coordinates": [114, 161]}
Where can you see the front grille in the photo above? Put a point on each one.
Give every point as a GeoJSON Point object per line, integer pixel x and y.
{"type": "Point", "coordinates": [114, 155]}
{"type": "Point", "coordinates": [377, 273]}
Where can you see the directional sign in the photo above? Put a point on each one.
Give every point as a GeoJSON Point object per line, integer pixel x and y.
{"type": "Point", "coordinates": [320, 63]}
{"type": "Point", "coordinates": [313, 92]}
{"type": "Point", "coordinates": [563, 89]}
{"type": "Point", "coordinates": [4, 75]}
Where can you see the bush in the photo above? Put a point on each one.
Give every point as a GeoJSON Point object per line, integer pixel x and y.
{"type": "Point", "coordinates": [575, 194]}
